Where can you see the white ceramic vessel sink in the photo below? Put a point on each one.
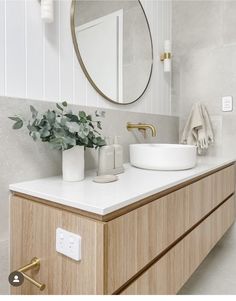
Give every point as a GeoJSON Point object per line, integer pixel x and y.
{"type": "Point", "coordinates": [163, 156]}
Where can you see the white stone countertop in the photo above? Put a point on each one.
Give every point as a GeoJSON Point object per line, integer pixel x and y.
{"type": "Point", "coordinates": [133, 185]}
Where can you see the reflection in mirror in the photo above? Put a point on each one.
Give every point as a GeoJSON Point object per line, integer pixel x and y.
{"type": "Point", "coordinates": [113, 43]}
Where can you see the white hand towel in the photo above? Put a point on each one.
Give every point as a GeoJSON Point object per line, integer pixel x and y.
{"type": "Point", "coordinates": [198, 129]}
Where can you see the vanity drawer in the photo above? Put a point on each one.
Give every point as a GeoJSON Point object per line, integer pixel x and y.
{"type": "Point", "coordinates": [169, 274]}
{"type": "Point", "coordinates": [33, 234]}
{"type": "Point", "coordinates": [136, 238]}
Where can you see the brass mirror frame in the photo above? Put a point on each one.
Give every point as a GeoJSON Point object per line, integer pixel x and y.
{"type": "Point", "coordinates": [79, 57]}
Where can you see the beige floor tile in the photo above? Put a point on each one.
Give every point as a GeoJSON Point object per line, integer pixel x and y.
{"type": "Point", "coordinates": [217, 274]}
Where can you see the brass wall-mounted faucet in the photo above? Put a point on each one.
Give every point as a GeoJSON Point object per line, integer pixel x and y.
{"type": "Point", "coordinates": [142, 127]}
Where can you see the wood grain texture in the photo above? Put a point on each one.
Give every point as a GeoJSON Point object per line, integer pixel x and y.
{"type": "Point", "coordinates": [33, 231]}
{"type": "Point", "coordinates": [80, 212]}
{"type": "Point", "coordinates": [114, 252]}
{"type": "Point", "coordinates": [169, 274]}
{"type": "Point", "coordinates": [136, 238]}
{"type": "Point", "coordinates": [158, 195]}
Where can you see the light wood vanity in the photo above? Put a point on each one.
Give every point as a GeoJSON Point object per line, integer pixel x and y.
{"type": "Point", "coordinates": [149, 247]}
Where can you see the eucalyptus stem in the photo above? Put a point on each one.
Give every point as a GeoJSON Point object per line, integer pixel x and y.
{"type": "Point", "coordinates": [62, 128]}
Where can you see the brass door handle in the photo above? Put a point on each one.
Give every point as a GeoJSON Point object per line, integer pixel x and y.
{"type": "Point", "coordinates": [35, 265]}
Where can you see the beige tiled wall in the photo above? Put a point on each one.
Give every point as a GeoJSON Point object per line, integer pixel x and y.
{"type": "Point", "coordinates": [4, 265]}
{"type": "Point", "coordinates": [204, 62]}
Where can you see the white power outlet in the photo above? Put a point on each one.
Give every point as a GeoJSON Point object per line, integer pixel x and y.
{"type": "Point", "coordinates": [68, 244]}
{"type": "Point", "coordinates": [227, 103]}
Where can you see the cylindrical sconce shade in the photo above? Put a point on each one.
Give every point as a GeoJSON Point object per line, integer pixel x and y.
{"type": "Point", "coordinates": [47, 10]}
{"type": "Point", "coordinates": [167, 46]}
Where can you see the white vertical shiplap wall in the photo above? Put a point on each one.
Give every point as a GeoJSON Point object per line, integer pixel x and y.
{"type": "Point", "coordinates": [2, 48]}
{"type": "Point", "coordinates": [37, 61]}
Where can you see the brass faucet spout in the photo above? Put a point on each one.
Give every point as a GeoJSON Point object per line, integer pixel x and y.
{"type": "Point", "coordinates": [142, 126]}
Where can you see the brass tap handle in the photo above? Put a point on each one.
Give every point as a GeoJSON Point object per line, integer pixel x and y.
{"type": "Point", "coordinates": [35, 265]}
{"type": "Point", "coordinates": [142, 127]}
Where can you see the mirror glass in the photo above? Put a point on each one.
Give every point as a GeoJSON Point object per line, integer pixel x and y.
{"type": "Point", "coordinates": [113, 44]}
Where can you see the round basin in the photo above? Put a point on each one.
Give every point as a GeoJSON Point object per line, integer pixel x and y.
{"type": "Point", "coordinates": [163, 156]}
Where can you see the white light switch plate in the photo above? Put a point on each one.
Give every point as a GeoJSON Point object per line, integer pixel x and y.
{"type": "Point", "coordinates": [68, 244]}
{"type": "Point", "coordinates": [227, 103]}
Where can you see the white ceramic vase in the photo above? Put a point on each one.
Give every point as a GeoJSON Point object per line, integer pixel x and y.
{"type": "Point", "coordinates": [73, 164]}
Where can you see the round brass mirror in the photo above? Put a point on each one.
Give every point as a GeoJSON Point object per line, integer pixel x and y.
{"type": "Point", "coordinates": [113, 44]}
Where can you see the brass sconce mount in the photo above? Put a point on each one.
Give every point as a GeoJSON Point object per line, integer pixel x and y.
{"type": "Point", "coordinates": [165, 56]}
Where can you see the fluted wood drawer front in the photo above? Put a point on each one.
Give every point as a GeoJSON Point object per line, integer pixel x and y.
{"type": "Point", "coordinates": [33, 233]}
{"type": "Point", "coordinates": [169, 274]}
{"type": "Point", "coordinates": [223, 184]}
{"type": "Point", "coordinates": [136, 238]}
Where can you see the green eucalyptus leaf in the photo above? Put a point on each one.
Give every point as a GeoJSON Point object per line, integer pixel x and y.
{"type": "Point", "coordinates": [35, 135]}
{"type": "Point", "coordinates": [70, 141]}
{"type": "Point", "coordinates": [44, 133]}
{"type": "Point", "coordinates": [99, 125]}
{"type": "Point", "coordinates": [51, 116]}
{"type": "Point", "coordinates": [100, 141]}
{"type": "Point", "coordinates": [57, 125]}
{"type": "Point", "coordinates": [86, 141]}
{"type": "Point", "coordinates": [73, 127]}
{"type": "Point", "coordinates": [62, 131]}
{"type": "Point", "coordinates": [17, 125]}
{"type": "Point", "coordinates": [100, 113]}
{"type": "Point", "coordinates": [82, 114]}
{"type": "Point", "coordinates": [32, 128]}
{"type": "Point", "coordinates": [72, 117]}
{"type": "Point", "coordinates": [91, 125]}
{"type": "Point", "coordinates": [59, 107]}
{"type": "Point", "coordinates": [63, 121]}
{"type": "Point", "coordinates": [15, 118]}
{"type": "Point", "coordinates": [56, 143]}
{"type": "Point", "coordinates": [34, 112]}
{"type": "Point", "coordinates": [84, 130]}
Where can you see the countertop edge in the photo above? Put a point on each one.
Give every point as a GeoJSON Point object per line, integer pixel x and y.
{"type": "Point", "coordinates": [104, 213]}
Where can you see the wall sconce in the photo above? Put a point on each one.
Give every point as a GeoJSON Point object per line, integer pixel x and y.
{"type": "Point", "coordinates": [166, 56]}
{"type": "Point", "coordinates": [47, 11]}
